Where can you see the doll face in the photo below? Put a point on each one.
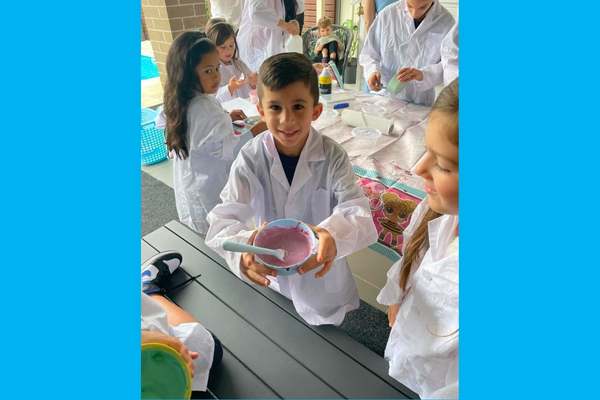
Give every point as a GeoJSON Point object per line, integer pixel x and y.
{"type": "Point", "coordinates": [325, 31]}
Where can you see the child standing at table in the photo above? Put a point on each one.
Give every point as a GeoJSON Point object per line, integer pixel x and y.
{"type": "Point", "coordinates": [199, 131]}
{"type": "Point", "coordinates": [236, 78]}
{"type": "Point", "coordinates": [422, 287]}
{"type": "Point", "coordinates": [292, 171]}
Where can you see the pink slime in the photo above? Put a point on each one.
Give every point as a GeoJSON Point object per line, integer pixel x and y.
{"type": "Point", "coordinates": [294, 241]}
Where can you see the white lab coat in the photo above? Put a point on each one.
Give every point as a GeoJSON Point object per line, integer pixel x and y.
{"type": "Point", "coordinates": [393, 43]}
{"type": "Point", "coordinates": [228, 71]}
{"type": "Point", "coordinates": [231, 10]}
{"type": "Point", "coordinates": [423, 345]}
{"type": "Point", "coordinates": [192, 334]}
{"type": "Point", "coordinates": [324, 192]}
{"type": "Point", "coordinates": [199, 178]}
{"type": "Point", "coordinates": [259, 36]}
{"type": "Point", "coordinates": [449, 52]}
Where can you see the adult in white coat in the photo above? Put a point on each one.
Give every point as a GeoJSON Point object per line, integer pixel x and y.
{"type": "Point", "coordinates": [449, 53]}
{"type": "Point", "coordinates": [263, 31]}
{"type": "Point", "coordinates": [231, 10]}
{"type": "Point", "coordinates": [323, 193]}
{"type": "Point", "coordinates": [404, 41]}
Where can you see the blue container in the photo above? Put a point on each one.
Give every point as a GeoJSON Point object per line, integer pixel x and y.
{"type": "Point", "coordinates": [153, 148]}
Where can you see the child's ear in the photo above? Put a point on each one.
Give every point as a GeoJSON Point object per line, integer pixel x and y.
{"type": "Point", "coordinates": [260, 109]}
{"type": "Point", "coordinates": [317, 110]}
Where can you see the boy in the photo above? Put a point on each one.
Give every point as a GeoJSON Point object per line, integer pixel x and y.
{"type": "Point", "coordinates": [328, 45]}
{"type": "Point", "coordinates": [292, 171]}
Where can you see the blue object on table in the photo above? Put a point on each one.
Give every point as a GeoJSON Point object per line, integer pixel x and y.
{"type": "Point", "coordinates": [341, 105]}
{"type": "Point", "coordinates": [153, 148]}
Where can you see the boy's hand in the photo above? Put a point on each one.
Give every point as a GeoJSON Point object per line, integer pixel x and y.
{"type": "Point", "coordinates": [392, 311]}
{"type": "Point", "coordinates": [172, 342]}
{"type": "Point", "coordinates": [256, 272]}
{"type": "Point", "coordinates": [234, 84]}
{"type": "Point", "coordinates": [237, 115]}
{"type": "Point", "coordinates": [325, 254]}
{"type": "Point", "coordinates": [374, 81]}
{"type": "Point", "coordinates": [409, 74]}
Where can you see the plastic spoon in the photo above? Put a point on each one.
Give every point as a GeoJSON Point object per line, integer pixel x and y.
{"type": "Point", "coordinates": [248, 248]}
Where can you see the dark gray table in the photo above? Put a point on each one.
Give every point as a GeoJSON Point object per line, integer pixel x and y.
{"type": "Point", "coordinates": [269, 352]}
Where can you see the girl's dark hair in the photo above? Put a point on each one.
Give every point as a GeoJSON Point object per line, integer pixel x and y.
{"type": "Point", "coordinates": [182, 84]}
{"type": "Point", "coordinates": [219, 32]}
{"type": "Point", "coordinates": [447, 103]}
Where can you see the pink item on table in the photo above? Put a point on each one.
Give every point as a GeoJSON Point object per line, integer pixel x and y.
{"type": "Point", "coordinates": [253, 96]}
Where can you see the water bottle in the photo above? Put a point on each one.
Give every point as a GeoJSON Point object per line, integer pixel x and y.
{"type": "Point", "coordinates": [325, 82]}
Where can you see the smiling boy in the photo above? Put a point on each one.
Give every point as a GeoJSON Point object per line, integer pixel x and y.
{"type": "Point", "coordinates": [292, 171]}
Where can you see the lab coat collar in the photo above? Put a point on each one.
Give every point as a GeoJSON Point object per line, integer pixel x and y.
{"type": "Point", "coordinates": [312, 151]}
{"type": "Point", "coordinates": [441, 233]}
{"type": "Point", "coordinates": [432, 15]}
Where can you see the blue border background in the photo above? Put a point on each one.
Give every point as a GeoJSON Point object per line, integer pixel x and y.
{"type": "Point", "coordinates": [71, 220]}
{"type": "Point", "coordinates": [529, 206]}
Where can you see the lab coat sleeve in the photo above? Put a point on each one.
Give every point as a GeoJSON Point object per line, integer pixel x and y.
{"type": "Point", "coordinates": [262, 14]}
{"type": "Point", "coordinates": [351, 223]}
{"type": "Point", "coordinates": [433, 75]}
{"type": "Point", "coordinates": [447, 392]}
{"type": "Point", "coordinates": [392, 293]}
{"type": "Point", "coordinates": [234, 218]}
{"type": "Point", "coordinates": [370, 55]}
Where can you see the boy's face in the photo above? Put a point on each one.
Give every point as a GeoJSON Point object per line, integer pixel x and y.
{"type": "Point", "coordinates": [288, 114]}
{"type": "Point", "coordinates": [325, 31]}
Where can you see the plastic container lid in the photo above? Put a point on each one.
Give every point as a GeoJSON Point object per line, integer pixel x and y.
{"type": "Point", "coordinates": [366, 133]}
{"type": "Point", "coordinates": [164, 373]}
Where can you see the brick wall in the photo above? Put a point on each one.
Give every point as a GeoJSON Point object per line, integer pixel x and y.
{"type": "Point", "coordinates": [166, 19]}
{"type": "Point", "coordinates": [310, 12]}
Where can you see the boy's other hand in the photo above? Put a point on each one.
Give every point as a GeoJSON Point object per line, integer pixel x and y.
{"type": "Point", "coordinates": [325, 254]}
{"type": "Point", "coordinates": [256, 272]}
{"type": "Point", "coordinates": [374, 81]}
{"type": "Point", "coordinates": [172, 342]}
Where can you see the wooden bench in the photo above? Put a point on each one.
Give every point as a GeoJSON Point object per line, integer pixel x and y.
{"type": "Point", "coordinates": [269, 352]}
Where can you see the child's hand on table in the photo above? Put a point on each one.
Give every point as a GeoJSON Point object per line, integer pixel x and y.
{"type": "Point", "coordinates": [172, 342]}
{"type": "Point", "coordinates": [237, 115]}
{"type": "Point", "coordinates": [325, 254]}
{"type": "Point", "coordinates": [256, 272]}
